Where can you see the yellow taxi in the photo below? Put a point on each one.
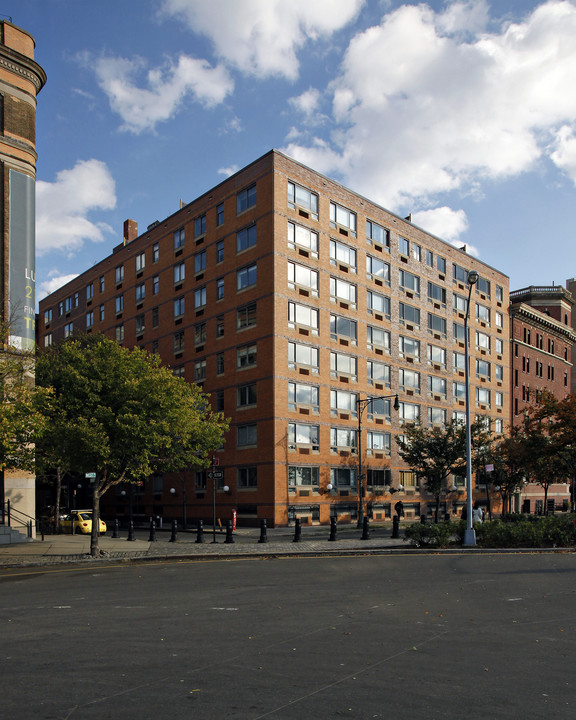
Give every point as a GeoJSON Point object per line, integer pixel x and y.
{"type": "Point", "coordinates": [81, 522]}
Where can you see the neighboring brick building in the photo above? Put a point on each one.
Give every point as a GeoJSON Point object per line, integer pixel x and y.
{"type": "Point", "coordinates": [542, 339]}
{"type": "Point", "coordinates": [21, 79]}
{"type": "Point", "coordinates": [288, 297]}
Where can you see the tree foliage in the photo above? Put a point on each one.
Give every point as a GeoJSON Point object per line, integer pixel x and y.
{"type": "Point", "coordinates": [121, 414]}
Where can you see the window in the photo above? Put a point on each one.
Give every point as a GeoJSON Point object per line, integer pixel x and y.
{"type": "Point", "coordinates": [483, 286]}
{"type": "Point", "coordinates": [140, 323]}
{"type": "Point", "coordinates": [219, 214]}
{"type": "Point", "coordinates": [482, 313]}
{"type": "Point", "coordinates": [302, 355]}
{"type": "Point", "coordinates": [482, 341]}
{"type": "Point", "coordinates": [379, 407]}
{"type": "Point", "coordinates": [101, 309]}
{"type": "Point", "coordinates": [301, 434]}
{"type": "Point", "coordinates": [179, 307]}
{"type": "Point", "coordinates": [68, 307]}
{"type": "Point", "coordinates": [409, 380]}
{"type": "Point", "coordinates": [342, 477]}
{"type": "Point", "coordinates": [155, 317]}
{"type": "Point", "coordinates": [344, 328]}
{"type": "Point", "coordinates": [199, 298]}
{"type": "Point", "coordinates": [379, 442]}
{"type": "Point", "coordinates": [220, 401]}
{"type": "Point", "coordinates": [408, 347]}
{"type": "Point", "coordinates": [459, 416]}
{"type": "Point", "coordinates": [246, 199]}
{"type": "Point", "coordinates": [498, 399]}
{"type": "Point", "coordinates": [378, 338]}
{"type": "Point", "coordinates": [220, 368]}
{"type": "Point", "coordinates": [220, 251]}
{"type": "Point", "coordinates": [155, 285]}
{"type": "Point", "coordinates": [378, 373]}
{"type": "Point", "coordinates": [499, 345]}
{"type": "Point", "coordinates": [483, 396]}
{"type": "Point", "coordinates": [459, 361]}
{"type": "Point", "coordinates": [119, 333]}
{"type": "Point", "coordinates": [436, 416]}
{"type": "Point", "coordinates": [246, 356]}
{"type": "Point", "coordinates": [342, 290]}
{"type": "Point", "coordinates": [246, 435]}
{"type": "Point", "coordinates": [219, 326]}
{"type": "Point", "coordinates": [48, 340]}
{"type": "Point", "coordinates": [220, 288]}
{"type": "Point", "coordinates": [179, 239]}
{"type": "Point", "coordinates": [441, 264]}
{"type": "Point", "coordinates": [302, 315]}
{"type": "Point", "coordinates": [246, 316]}
{"type": "Point", "coordinates": [459, 303]}
{"type": "Point", "coordinates": [409, 282]}
{"type": "Point", "coordinates": [459, 332]}
{"type": "Point", "coordinates": [483, 369]}
{"type": "Point", "coordinates": [60, 308]}
{"type": "Point", "coordinates": [342, 401]}
{"type": "Point", "coordinates": [459, 390]}
{"type": "Point", "coordinates": [377, 234]}
{"type": "Point", "coordinates": [302, 475]}
{"type": "Point", "coordinates": [140, 292]}
{"type": "Point", "coordinates": [119, 303]}
{"type": "Point", "coordinates": [300, 395]}
{"type": "Point", "coordinates": [436, 385]}
{"type": "Point", "coordinates": [436, 293]}
{"type": "Point", "coordinates": [89, 291]}
{"type": "Point", "coordinates": [119, 274]}
{"type": "Point", "coordinates": [246, 238]}
{"type": "Point", "coordinates": [342, 217]}
{"type": "Point", "coordinates": [200, 333]}
{"type": "Point", "coordinates": [303, 198]}
{"type": "Point", "coordinates": [200, 226]}
{"type": "Point", "coordinates": [89, 318]}
{"type": "Point", "coordinates": [140, 262]}
{"type": "Point", "coordinates": [247, 477]}
{"type": "Point", "coordinates": [409, 314]}
{"type": "Point", "coordinates": [416, 252]}
{"type": "Point", "coordinates": [246, 277]}
{"type": "Point", "coordinates": [377, 303]}
{"type": "Point", "coordinates": [436, 355]}
{"type": "Point", "coordinates": [200, 262]}
{"type": "Point", "coordinates": [301, 276]}
{"type": "Point", "coordinates": [377, 269]}
{"type": "Point", "coordinates": [429, 258]}
{"type": "Point", "coordinates": [102, 283]}
{"type": "Point", "coordinates": [343, 254]}
{"type": "Point", "coordinates": [48, 316]}
{"type": "Point", "coordinates": [403, 246]}
{"type": "Point", "coordinates": [341, 364]}
{"type": "Point", "coordinates": [342, 438]}
{"type": "Point", "coordinates": [499, 293]}
{"type": "Point", "coordinates": [436, 324]}
{"type": "Point", "coordinates": [459, 274]}
{"type": "Point", "coordinates": [178, 341]}
{"type": "Point", "coordinates": [499, 371]}
{"type": "Point", "coordinates": [246, 395]}
{"type": "Point", "coordinates": [155, 253]}
{"type": "Point", "coordinates": [499, 319]}
{"type": "Point", "coordinates": [498, 426]}
{"type": "Point", "coordinates": [408, 412]}
{"type": "Point", "coordinates": [303, 237]}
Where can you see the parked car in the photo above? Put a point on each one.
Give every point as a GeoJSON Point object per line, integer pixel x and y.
{"type": "Point", "coordinates": [81, 521]}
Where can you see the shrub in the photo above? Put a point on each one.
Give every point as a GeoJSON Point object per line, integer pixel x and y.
{"type": "Point", "coordinates": [431, 534]}
{"type": "Point", "coordinates": [527, 531]}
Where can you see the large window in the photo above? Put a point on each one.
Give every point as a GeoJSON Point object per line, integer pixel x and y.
{"type": "Point", "coordinates": [436, 324]}
{"type": "Point", "coordinates": [303, 237]}
{"type": "Point", "coordinates": [483, 369]}
{"type": "Point", "coordinates": [246, 356]}
{"type": "Point", "coordinates": [200, 334]}
{"type": "Point", "coordinates": [305, 356]}
{"type": "Point", "coordinates": [342, 477]}
{"type": "Point", "coordinates": [377, 234]}
{"type": "Point", "coordinates": [409, 380]}
{"type": "Point", "coordinates": [377, 269]}
{"type": "Point", "coordinates": [303, 316]}
{"type": "Point", "coordinates": [246, 277]}
{"type": "Point", "coordinates": [378, 338]}
{"type": "Point", "coordinates": [200, 262]}
{"type": "Point", "coordinates": [459, 303]}
{"type": "Point", "coordinates": [301, 197]}
{"type": "Point", "coordinates": [409, 314]}
{"type": "Point", "coordinates": [378, 442]}
{"type": "Point", "coordinates": [200, 225]}
{"type": "Point", "coordinates": [343, 254]}
{"type": "Point", "coordinates": [179, 273]}
{"type": "Point", "coordinates": [140, 292]}
{"type": "Point", "coordinates": [342, 290]}
{"type": "Point", "coordinates": [179, 307]}
{"type": "Point", "coordinates": [408, 347]}
{"type": "Point", "coordinates": [436, 293]}
{"type": "Point", "coordinates": [246, 395]}
{"type": "Point", "coordinates": [377, 372]}
{"type": "Point", "coordinates": [246, 238]}
{"type": "Point", "coordinates": [200, 298]}
{"type": "Point", "coordinates": [342, 401]}
{"type": "Point", "coordinates": [459, 274]}
{"type": "Point", "coordinates": [302, 276]}
{"type": "Point", "coordinates": [436, 416]}
{"type": "Point", "coordinates": [342, 439]}
{"type": "Point", "coordinates": [303, 475]}
{"type": "Point", "coordinates": [301, 395]}
{"type": "Point", "coordinates": [302, 434]}
{"type": "Point", "coordinates": [409, 282]}
{"type": "Point", "coordinates": [342, 217]}
{"type": "Point", "coordinates": [219, 214]}
{"type": "Point", "coordinates": [459, 390]}
{"type": "Point", "coordinates": [341, 364]}
{"type": "Point", "coordinates": [179, 239]}
{"type": "Point", "coordinates": [119, 303]}
{"type": "Point", "coordinates": [379, 407]}
{"type": "Point", "coordinates": [140, 261]}
{"type": "Point", "coordinates": [247, 435]}
{"type": "Point", "coordinates": [247, 477]}
{"type": "Point", "coordinates": [459, 361]}
{"type": "Point", "coordinates": [483, 396]}
{"type": "Point", "coordinates": [459, 332]}
{"type": "Point", "coordinates": [378, 303]}
{"type": "Point", "coordinates": [119, 274]}
{"type": "Point", "coordinates": [343, 327]}
{"type": "Point", "coordinates": [246, 199]}
{"type": "Point", "coordinates": [482, 341]}
{"type": "Point", "coordinates": [409, 412]}
{"type": "Point", "coordinates": [436, 385]}
{"type": "Point", "coordinates": [246, 316]}
{"type": "Point", "coordinates": [436, 355]}
{"type": "Point", "coordinates": [482, 313]}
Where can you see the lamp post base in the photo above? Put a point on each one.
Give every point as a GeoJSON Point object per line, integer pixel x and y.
{"type": "Point", "coordinates": [470, 538]}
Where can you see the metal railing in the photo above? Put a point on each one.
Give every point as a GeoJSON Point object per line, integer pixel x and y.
{"type": "Point", "coordinates": [16, 519]}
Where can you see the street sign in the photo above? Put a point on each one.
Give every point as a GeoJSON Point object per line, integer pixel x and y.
{"type": "Point", "coordinates": [216, 475]}
{"type": "Point", "coordinates": [90, 475]}
{"type": "Point", "coordinates": [215, 461]}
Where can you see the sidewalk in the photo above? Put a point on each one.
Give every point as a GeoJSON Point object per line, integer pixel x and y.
{"type": "Point", "coordinates": [58, 549]}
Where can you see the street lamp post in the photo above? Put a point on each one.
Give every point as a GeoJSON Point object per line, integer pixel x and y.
{"type": "Point", "coordinates": [361, 405]}
{"type": "Point", "coordinates": [470, 534]}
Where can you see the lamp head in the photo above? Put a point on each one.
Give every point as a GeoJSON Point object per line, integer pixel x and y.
{"type": "Point", "coordinates": [396, 403]}
{"type": "Point", "coordinates": [473, 277]}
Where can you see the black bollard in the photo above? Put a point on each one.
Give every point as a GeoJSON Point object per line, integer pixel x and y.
{"type": "Point", "coordinates": [297, 530]}
{"type": "Point", "coordinates": [365, 529]}
{"type": "Point", "coordinates": [173, 534]}
{"type": "Point", "coordinates": [396, 526]}
{"type": "Point", "coordinates": [332, 529]}
{"type": "Point", "coordinates": [130, 531]}
{"type": "Point", "coordinates": [423, 519]}
{"type": "Point", "coordinates": [152, 537]}
{"type": "Point", "coordinates": [229, 538]}
{"type": "Point", "coordinates": [115, 531]}
{"type": "Point", "coordinates": [200, 532]}
{"type": "Point", "coordinates": [263, 536]}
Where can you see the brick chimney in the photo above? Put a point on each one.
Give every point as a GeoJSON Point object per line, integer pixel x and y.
{"type": "Point", "coordinates": [130, 231]}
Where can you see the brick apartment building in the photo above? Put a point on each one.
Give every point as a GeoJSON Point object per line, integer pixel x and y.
{"type": "Point", "coordinates": [21, 79]}
{"type": "Point", "coordinates": [542, 338]}
{"type": "Point", "coordinates": [289, 297]}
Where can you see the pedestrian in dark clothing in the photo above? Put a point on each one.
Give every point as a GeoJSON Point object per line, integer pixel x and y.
{"type": "Point", "coordinates": [399, 507]}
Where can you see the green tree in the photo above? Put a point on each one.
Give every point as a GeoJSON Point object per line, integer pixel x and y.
{"type": "Point", "coordinates": [508, 459]}
{"type": "Point", "coordinates": [119, 413]}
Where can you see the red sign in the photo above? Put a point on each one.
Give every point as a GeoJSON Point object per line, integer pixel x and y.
{"type": "Point", "coordinates": [233, 520]}
{"type": "Point", "coordinates": [215, 461]}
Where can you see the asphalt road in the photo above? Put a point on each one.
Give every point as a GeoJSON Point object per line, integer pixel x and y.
{"type": "Point", "coordinates": [396, 636]}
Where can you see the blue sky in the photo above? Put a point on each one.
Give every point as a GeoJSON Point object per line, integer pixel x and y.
{"type": "Point", "coordinates": [462, 113]}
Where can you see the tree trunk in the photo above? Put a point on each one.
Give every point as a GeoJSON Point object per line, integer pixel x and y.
{"type": "Point", "coordinates": [545, 499]}
{"type": "Point", "coordinates": [57, 500]}
{"type": "Point", "coordinates": [94, 538]}
{"type": "Point", "coordinates": [437, 510]}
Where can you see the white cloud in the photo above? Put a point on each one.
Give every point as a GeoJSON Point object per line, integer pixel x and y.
{"type": "Point", "coordinates": [428, 103]}
{"type": "Point", "coordinates": [445, 223]}
{"type": "Point", "coordinates": [141, 108]}
{"type": "Point", "coordinates": [63, 206]}
{"type": "Point", "coordinates": [564, 153]}
{"type": "Point", "coordinates": [262, 37]}
{"type": "Point", "coordinates": [55, 282]}
{"type": "Point", "coordinates": [228, 171]}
